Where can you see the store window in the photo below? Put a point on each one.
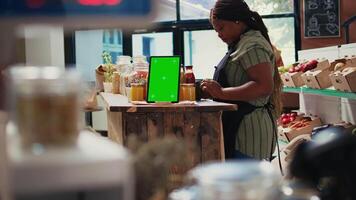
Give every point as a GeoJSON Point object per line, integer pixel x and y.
{"type": "Point", "coordinates": [281, 33]}
{"type": "Point", "coordinates": [195, 9]}
{"type": "Point", "coordinates": [267, 7]}
{"type": "Point", "coordinates": [152, 44]}
{"type": "Point", "coordinates": [203, 50]}
{"type": "Point", "coordinates": [89, 46]}
{"type": "Point", "coordinates": [166, 10]}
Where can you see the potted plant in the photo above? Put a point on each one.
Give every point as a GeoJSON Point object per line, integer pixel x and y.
{"type": "Point", "coordinates": [109, 69]}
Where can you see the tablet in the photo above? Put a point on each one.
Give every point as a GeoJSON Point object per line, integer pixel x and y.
{"type": "Point", "coordinates": [163, 79]}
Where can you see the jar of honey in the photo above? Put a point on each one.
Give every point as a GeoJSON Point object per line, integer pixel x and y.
{"type": "Point", "coordinates": [137, 92]}
{"type": "Point", "coordinates": [187, 92]}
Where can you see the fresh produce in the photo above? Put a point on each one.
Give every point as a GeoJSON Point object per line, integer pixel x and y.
{"type": "Point", "coordinates": [339, 66]}
{"type": "Point", "coordinates": [303, 122]}
{"type": "Point", "coordinates": [284, 69]}
{"type": "Point", "coordinates": [287, 118]}
{"type": "Point", "coordinates": [303, 67]}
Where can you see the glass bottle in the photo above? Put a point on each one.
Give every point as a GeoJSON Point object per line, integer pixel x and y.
{"type": "Point", "coordinates": [116, 83]}
{"type": "Point", "coordinates": [181, 78]}
{"type": "Point", "coordinates": [189, 74]}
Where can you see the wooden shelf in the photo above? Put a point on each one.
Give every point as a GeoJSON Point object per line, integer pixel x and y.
{"type": "Point", "coordinates": [322, 92]}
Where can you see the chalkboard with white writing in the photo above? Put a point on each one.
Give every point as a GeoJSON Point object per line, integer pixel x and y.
{"type": "Point", "coordinates": [321, 18]}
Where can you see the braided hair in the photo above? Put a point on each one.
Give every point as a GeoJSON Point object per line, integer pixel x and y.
{"type": "Point", "coordinates": [238, 10]}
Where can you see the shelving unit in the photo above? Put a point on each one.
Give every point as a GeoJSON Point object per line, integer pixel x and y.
{"type": "Point", "coordinates": [321, 92]}
{"type": "Point", "coordinates": [329, 104]}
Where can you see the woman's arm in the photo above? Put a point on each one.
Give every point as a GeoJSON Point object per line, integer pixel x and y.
{"type": "Point", "coordinates": [260, 85]}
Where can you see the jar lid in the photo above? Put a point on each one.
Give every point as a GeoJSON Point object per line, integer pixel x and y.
{"type": "Point", "coordinates": [137, 84]}
{"type": "Point", "coordinates": [123, 59]}
{"type": "Point", "coordinates": [139, 59]}
{"type": "Point", "coordinates": [187, 84]}
{"type": "Point", "coordinates": [30, 80]}
{"type": "Point", "coordinates": [244, 174]}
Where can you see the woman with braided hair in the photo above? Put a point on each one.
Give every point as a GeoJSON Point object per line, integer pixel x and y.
{"type": "Point", "coordinates": [248, 77]}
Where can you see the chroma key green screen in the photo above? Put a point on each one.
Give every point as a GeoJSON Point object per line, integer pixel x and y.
{"type": "Point", "coordinates": [163, 79]}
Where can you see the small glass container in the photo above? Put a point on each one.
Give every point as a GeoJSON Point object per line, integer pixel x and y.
{"type": "Point", "coordinates": [137, 92]}
{"type": "Point", "coordinates": [236, 180]}
{"type": "Point", "coordinates": [187, 92]}
{"type": "Point", "coordinates": [45, 105]}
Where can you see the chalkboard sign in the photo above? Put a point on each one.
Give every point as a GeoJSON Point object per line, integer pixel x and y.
{"type": "Point", "coordinates": [321, 18]}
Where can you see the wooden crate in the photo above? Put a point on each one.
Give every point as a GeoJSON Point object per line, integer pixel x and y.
{"type": "Point", "coordinates": [290, 134]}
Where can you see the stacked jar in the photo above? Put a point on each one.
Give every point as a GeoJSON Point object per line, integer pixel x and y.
{"type": "Point", "coordinates": [139, 78]}
{"type": "Point", "coordinates": [187, 88]}
{"type": "Point", "coordinates": [123, 66]}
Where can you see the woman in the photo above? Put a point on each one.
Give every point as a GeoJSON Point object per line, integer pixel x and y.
{"type": "Point", "coordinates": [247, 76]}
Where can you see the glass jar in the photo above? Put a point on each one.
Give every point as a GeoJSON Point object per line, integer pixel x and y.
{"type": "Point", "coordinates": [45, 105]}
{"type": "Point", "coordinates": [137, 92]}
{"type": "Point", "coordinates": [187, 92]}
{"type": "Point", "coordinates": [236, 180]}
{"type": "Point", "coordinates": [189, 76]}
{"type": "Point", "coordinates": [140, 66]}
{"type": "Point", "coordinates": [123, 64]}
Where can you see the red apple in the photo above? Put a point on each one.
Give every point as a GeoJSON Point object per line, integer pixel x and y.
{"type": "Point", "coordinates": [293, 114]}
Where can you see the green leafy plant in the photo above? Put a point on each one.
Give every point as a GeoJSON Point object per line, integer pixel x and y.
{"type": "Point", "coordinates": [108, 66]}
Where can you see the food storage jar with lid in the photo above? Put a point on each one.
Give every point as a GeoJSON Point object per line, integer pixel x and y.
{"type": "Point", "coordinates": [123, 64]}
{"type": "Point", "coordinates": [45, 105]}
{"type": "Point", "coordinates": [236, 180]}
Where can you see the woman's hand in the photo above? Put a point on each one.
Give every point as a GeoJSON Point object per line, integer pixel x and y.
{"type": "Point", "coordinates": [213, 88]}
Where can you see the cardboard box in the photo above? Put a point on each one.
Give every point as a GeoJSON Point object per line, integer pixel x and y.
{"type": "Point", "coordinates": [344, 81]}
{"type": "Point", "coordinates": [351, 62]}
{"type": "Point", "coordinates": [317, 79]}
{"type": "Point", "coordinates": [290, 134]}
{"type": "Point", "coordinates": [323, 65]}
{"type": "Point", "coordinates": [292, 79]}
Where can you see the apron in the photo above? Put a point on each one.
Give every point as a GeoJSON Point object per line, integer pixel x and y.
{"type": "Point", "coordinates": [232, 119]}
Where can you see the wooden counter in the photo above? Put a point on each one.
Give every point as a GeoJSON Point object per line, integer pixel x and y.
{"type": "Point", "coordinates": [199, 123]}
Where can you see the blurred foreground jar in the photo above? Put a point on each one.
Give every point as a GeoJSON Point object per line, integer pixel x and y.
{"type": "Point", "coordinates": [242, 180]}
{"type": "Point", "coordinates": [45, 105]}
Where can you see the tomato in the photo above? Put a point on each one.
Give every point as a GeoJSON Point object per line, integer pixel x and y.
{"type": "Point", "coordinates": [293, 114]}
{"type": "Point", "coordinates": [285, 120]}
{"type": "Point", "coordinates": [284, 115]}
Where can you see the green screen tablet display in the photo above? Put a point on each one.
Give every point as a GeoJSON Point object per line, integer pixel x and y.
{"type": "Point", "coordinates": [163, 79]}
